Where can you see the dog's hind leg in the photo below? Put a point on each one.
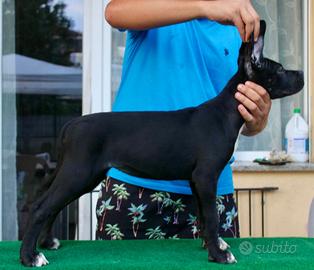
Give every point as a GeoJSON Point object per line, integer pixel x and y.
{"type": "Point", "coordinates": [73, 180]}
{"type": "Point", "coordinates": [205, 187]}
{"type": "Point", "coordinates": [46, 238]}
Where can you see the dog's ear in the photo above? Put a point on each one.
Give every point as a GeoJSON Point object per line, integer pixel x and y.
{"type": "Point", "coordinates": [257, 52]}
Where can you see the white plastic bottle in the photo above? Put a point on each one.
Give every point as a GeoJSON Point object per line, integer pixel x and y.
{"type": "Point", "coordinates": [297, 137]}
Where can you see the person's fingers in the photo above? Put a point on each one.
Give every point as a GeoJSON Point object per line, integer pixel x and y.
{"type": "Point", "coordinates": [253, 96]}
{"type": "Point", "coordinates": [249, 105]}
{"type": "Point", "coordinates": [260, 90]}
{"type": "Point", "coordinates": [237, 20]}
{"type": "Point", "coordinates": [256, 19]}
{"type": "Point", "coordinates": [248, 20]}
{"type": "Point", "coordinates": [245, 114]}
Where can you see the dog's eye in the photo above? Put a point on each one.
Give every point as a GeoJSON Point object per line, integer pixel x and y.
{"type": "Point", "coordinates": [280, 69]}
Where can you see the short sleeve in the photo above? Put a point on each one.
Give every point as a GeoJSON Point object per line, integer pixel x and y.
{"type": "Point", "coordinates": [133, 33]}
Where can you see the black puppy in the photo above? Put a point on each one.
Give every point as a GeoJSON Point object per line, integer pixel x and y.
{"type": "Point", "coordinates": [193, 143]}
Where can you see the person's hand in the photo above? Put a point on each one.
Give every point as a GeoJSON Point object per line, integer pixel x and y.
{"type": "Point", "coordinates": [254, 107]}
{"type": "Point", "coordinates": [240, 13]}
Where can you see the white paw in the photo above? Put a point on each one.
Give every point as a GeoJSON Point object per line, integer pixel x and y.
{"type": "Point", "coordinates": [56, 243]}
{"type": "Point", "coordinates": [231, 258]}
{"type": "Point", "coordinates": [40, 260]}
{"type": "Point", "coordinates": [222, 244]}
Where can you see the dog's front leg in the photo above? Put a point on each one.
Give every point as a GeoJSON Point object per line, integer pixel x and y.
{"type": "Point", "coordinates": [205, 187]}
{"type": "Point", "coordinates": [198, 214]}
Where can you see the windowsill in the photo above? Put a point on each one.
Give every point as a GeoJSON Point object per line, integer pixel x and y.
{"type": "Point", "coordinates": [249, 166]}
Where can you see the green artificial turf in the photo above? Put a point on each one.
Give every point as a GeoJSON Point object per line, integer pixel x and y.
{"type": "Point", "coordinates": [251, 253]}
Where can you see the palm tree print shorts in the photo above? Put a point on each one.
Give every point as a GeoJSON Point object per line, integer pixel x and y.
{"type": "Point", "coordinates": [126, 211]}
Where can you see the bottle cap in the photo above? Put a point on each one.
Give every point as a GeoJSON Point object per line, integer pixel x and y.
{"type": "Point", "coordinates": [297, 110]}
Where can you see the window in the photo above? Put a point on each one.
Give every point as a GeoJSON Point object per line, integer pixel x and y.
{"type": "Point", "coordinates": [42, 89]}
{"type": "Point", "coordinates": [285, 42]}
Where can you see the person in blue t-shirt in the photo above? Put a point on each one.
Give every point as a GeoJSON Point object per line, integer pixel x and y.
{"type": "Point", "coordinates": [179, 53]}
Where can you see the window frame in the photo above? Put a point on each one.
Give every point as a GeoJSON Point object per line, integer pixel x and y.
{"type": "Point", "coordinates": [1, 119]}
{"type": "Point", "coordinates": [97, 51]}
{"type": "Point", "coordinates": [310, 78]}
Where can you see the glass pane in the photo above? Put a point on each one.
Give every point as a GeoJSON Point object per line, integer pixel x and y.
{"type": "Point", "coordinates": [48, 78]}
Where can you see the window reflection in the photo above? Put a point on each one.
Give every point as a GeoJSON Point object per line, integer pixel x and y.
{"type": "Point", "coordinates": [48, 60]}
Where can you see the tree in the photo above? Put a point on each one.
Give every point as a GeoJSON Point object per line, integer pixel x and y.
{"type": "Point", "coordinates": [156, 233]}
{"type": "Point", "coordinates": [137, 213]}
{"type": "Point", "coordinates": [114, 232]}
{"type": "Point", "coordinates": [43, 31]}
{"type": "Point", "coordinates": [102, 210]}
{"type": "Point", "coordinates": [192, 220]}
{"type": "Point", "coordinates": [121, 192]}
{"type": "Point", "coordinates": [178, 207]}
{"type": "Point", "coordinates": [158, 197]}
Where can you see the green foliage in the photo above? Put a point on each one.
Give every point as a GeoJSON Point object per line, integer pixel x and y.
{"type": "Point", "coordinates": [105, 205]}
{"type": "Point", "coordinates": [42, 30]}
{"type": "Point", "coordinates": [120, 191]}
{"type": "Point", "coordinates": [114, 231]}
{"type": "Point", "coordinates": [8, 36]}
{"type": "Point", "coordinates": [156, 233]}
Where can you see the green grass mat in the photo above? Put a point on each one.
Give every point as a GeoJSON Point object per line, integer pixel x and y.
{"type": "Point", "coordinates": [251, 253]}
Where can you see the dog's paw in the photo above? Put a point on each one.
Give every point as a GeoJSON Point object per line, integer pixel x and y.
{"type": "Point", "coordinates": [55, 243]}
{"type": "Point", "coordinates": [51, 244]}
{"type": "Point", "coordinates": [40, 260]}
{"type": "Point", "coordinates": [204, 244]}
{"type": "Point", "coordinates": [37, 260]}
{"type": "Point", "coordinates": [231, 258]}
{"type": "Point", "coordinates": [222, 244]}
{"type": "Point", "coordinates": [223, 257]}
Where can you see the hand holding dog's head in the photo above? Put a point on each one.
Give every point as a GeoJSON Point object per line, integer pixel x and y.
{"type": "Point", "coordinates": [268, 73]}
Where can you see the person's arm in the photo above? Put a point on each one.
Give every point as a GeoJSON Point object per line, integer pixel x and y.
{"type": "Point", "coordinates": [146, 14]}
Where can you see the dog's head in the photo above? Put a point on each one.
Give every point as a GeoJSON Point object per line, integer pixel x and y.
{"type": "Point", "coordinates": [268, 73]}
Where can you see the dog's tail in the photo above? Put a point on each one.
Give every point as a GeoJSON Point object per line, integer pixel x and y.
{"type": "Point", "coordinates": [60, 154]}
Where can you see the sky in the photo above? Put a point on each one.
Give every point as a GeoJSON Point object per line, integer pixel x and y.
{"type": "Point", "coordinates": [74, 11]}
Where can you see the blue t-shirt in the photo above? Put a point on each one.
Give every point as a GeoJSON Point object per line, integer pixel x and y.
{"type": "Point", "coordinates": [174, 67]}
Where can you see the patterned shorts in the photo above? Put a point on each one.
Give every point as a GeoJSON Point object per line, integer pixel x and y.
{"type": "Point", "coordinates": [126, 211]}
